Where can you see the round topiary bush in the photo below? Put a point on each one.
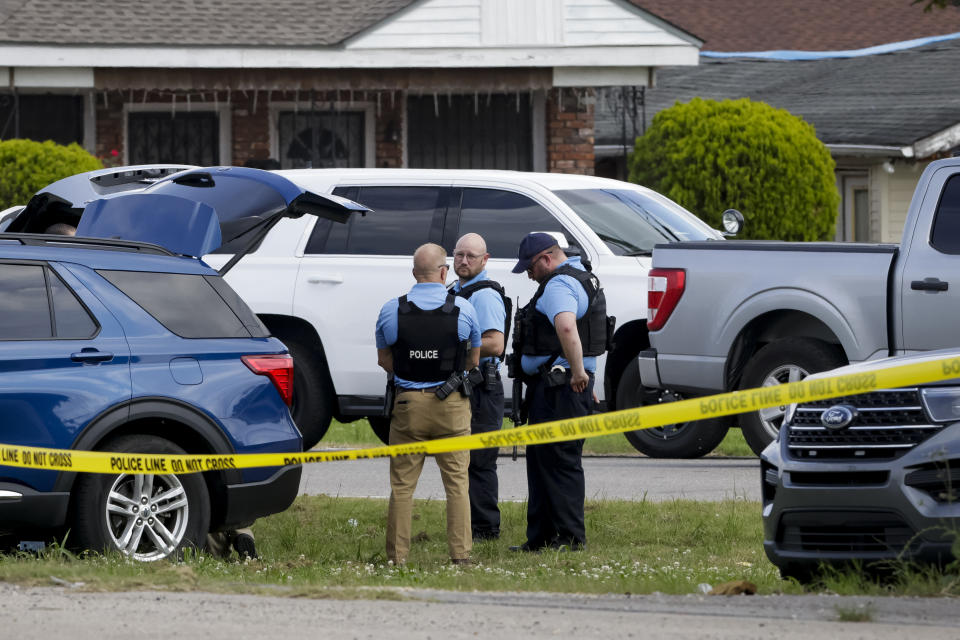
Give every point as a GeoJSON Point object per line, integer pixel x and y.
{"type": "Point", "coordinates": [26, 166]}
{"type": "Point", "coordinates": [768, 163]}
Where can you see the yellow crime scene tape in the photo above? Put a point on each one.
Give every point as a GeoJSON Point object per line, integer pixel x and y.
{"type": "Point", "coordinates": [559, 430]}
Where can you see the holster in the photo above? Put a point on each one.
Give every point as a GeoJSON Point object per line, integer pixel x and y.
{"type": "Point", "coordinates": [389, 394]}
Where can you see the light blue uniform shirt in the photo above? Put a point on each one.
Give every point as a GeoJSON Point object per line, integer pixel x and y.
{"type": "Point", "coordinates": [426, 295]}
{"type": "Point", "coordinates": [562, 293]}
{"type": "Point", "coordinates": [489, 306]}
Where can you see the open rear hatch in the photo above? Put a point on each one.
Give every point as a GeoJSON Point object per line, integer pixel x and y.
{"type": "Point", "coordinates": [198, 211]}
{"type": "Point", "coordinates": [63, 201]}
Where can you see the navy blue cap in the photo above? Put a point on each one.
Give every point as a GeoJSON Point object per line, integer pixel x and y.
{"type": "Point", "coordinates": [530, 246]}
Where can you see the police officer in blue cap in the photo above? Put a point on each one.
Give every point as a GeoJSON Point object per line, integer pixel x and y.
{"type": "Point", "coordinates": [564, 328]}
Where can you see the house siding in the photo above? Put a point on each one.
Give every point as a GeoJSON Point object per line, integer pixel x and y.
{"type": "Point", "coordinates": [531, 22]}
{"type": "Point", "coordinates": [890, 195]}
{"type": "Point", "coordinates": [435, 23]}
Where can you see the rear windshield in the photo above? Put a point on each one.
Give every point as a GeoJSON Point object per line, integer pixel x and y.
{"type": "Point", "coordinates": [191, 306]}
{"type": "Point", "coordinates": [631, 222]}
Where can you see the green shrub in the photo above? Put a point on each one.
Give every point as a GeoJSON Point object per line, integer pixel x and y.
{"type": "Point", "coordinates": [710, 156]}
{"type": "Point", "coordinates": [27, 166]}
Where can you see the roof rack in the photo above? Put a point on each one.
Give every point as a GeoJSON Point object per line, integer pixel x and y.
{"type": "Point", "coordinates": [103, 244]}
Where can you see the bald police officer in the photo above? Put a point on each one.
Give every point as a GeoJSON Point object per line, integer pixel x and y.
{"type": "Point", "coordinates": [488, 298]}
{"type": "Point", "coordinates": [563, 329]}
{"type": "Point", "coordinates": [427, 339]}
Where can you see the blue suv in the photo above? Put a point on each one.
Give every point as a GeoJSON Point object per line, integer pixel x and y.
{"type": "Point", "coordinates": [120, 345]}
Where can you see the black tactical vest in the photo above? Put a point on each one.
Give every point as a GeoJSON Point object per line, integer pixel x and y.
{"type": "Point", "coordinates": [428, 347]}
{"type": "Point", "coordinates": [540, 337]}
{"type": "Point", "coordinates": [469, 290]}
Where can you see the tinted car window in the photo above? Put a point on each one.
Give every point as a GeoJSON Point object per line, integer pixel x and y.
{"type": "Point", "coordinates": [400, 221]}
{"type": "Point", "coordinates": [945, 236]}
{"type": "Point", "coordinates": [503, 218]}
{"type": "Point", "coordinates": [249, 319]}
{"type": "Point", "coordinates": [631, 222]}
{"type": "Point", "coordinates": [70, 318]}
{"type": "Point", "coordinates": [24, 306]}
{"type": "Point", "coordinates": [185, 304]}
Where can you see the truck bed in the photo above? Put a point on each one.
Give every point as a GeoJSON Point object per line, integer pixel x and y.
{"type": "Point", "coordinates": [730, 284]}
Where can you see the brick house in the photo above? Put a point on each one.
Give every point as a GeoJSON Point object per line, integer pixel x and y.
{"type": "Point", "coordinates": [386, 83]}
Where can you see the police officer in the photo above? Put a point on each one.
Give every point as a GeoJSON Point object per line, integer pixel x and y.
{"type": "Point", "coordinates": [564, 327]}
{"type": "Point", "coordinates": [486, 402]}
{"type": "Point", "coordinates": [427, 339]}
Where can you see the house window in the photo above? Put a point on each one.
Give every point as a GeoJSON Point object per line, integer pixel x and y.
{"type": "Point", "coordinates": [41, 117]}
{"type": "Point", "coordinates": [470, 132]}
{"type": "Point", "coordinates": [185, 137]}
{"type": "Point", "coordinates": [321, 139]}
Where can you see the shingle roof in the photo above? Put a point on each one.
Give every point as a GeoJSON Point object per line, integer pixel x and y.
{"type": "Point", "coordinates": [287, 23]}
{"type": "Point", "coordinates": [890, 99]}
{"type": "Point", "coordinates": [815, 25]}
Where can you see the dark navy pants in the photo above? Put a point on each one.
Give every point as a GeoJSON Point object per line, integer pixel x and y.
{"type": "Point", "coordinates": [554, 471]}
{"type": "Point", "coordinates": [487, 415]}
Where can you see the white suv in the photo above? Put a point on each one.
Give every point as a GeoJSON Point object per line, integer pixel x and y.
{"type": "Point", "coordinates": [318, 285]}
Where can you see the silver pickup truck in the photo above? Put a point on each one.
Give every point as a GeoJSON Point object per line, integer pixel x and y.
{"type": "Point", "coordinates": [741, 314]}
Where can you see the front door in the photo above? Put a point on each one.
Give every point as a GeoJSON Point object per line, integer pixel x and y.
{"type": "Point", "coordinates": [62, 361]}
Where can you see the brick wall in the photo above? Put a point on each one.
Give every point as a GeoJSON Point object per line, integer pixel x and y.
{"type": "Point", "coordinates": [570, 131]}
{"type": "Point", "coordinates": [109, 127]}
{"type": "Point", "coordinates": [251, 126]}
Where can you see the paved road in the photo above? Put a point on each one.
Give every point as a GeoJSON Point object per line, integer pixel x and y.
{"type": "Point", "coordinates": [630, 478]}
{"type": "Point", "coordinates": [42, 613]}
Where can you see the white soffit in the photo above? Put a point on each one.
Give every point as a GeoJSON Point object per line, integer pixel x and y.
{"type": "Point", "coordinates": [938, 142]}
{"type": "Point", "coordinates": [53, 77]}
{"type": "Point", "coordinates": [602, 76]}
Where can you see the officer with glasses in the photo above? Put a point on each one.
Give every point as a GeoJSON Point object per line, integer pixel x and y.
{"type": "Point", "coordinates": [486, 401]}
{"type": "Point", "coordinates": [426, 340]}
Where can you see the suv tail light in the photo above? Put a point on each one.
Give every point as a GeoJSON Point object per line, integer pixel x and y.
{"type": "Point", "coordinates": [664, 288]}
{"type": "Point", "coordinates": [279, 368]}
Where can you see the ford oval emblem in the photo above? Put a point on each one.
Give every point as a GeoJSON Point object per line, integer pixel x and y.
{"type": "Point", "coordinates": [838, 417]}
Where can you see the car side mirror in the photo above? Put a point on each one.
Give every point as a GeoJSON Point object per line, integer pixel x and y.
{"type": "Point", "coordinates": [732, 221]}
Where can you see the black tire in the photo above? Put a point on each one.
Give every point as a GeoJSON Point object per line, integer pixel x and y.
{"type": "Point", "coordinates": [381, 427]}
{"type": "Point", "coordinates": [784, 360]}
{"type": "Point", "coordinates": [108, 515]}
{"type": "Point", "coordinates": [684, 440]}
{"type": "Point", "coordinates": [313, 397]}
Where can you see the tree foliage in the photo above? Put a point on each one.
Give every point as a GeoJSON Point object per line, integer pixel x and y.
{"type": "Point", "coordinates": [710, 156]}
{"type": "Point", "coordinates": [26, 166]}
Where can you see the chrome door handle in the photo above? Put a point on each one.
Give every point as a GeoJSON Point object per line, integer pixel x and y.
{"type": "Point", "coordinates": [332, 278]}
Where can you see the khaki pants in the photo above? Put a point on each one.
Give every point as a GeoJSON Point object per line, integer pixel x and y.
{"type": "Point", "coordinates": [419, 416]}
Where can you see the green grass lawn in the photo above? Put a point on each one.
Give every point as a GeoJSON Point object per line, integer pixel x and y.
{"type": "Point", "coordinates": [359, 434]}
{"type": "Point", "coordinates": [334, 547]}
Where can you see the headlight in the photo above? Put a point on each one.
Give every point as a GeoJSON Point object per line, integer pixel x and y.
{"type": "Point", "coordinates": [942, 404]}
